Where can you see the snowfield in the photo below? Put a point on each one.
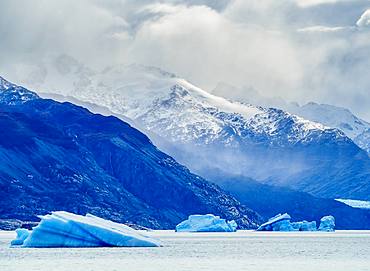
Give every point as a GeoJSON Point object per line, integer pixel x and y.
{"type": "Point", "coordinates": [361, 204]}
{"type": "Point", "coordinates": [242, 250]}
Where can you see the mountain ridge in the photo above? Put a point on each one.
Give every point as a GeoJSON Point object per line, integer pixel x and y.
{"type": "Point", "coordinates": [244, 136]}
{"type": "Point", "coordinates": [61, 156]}
{"type": "Point", "coordinates": [329, 115]}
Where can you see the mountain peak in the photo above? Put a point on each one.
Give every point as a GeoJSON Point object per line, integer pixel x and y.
{"type": "Point", "coordinates": [4, 84]}
{"type": "Point", "coordinates": [13, 94]}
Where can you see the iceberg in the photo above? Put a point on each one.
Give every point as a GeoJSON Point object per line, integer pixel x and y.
{"type": "Point", "coordinates": [63, 229]}
{"type": "Point", "coordinates": [281, 222]}
{"type": "Point", "coordinates": [22, 235]}
{"type": "Point", "coordinates": [327, 223]}
{"type": "Point", "coordinates": [206, 223]}
{"type": "Point", "coordinates": [304, 226]}
{"type": "Point", "coordinates": [233, 225]}
{"type": "Point", "coordinates": [283, 225]}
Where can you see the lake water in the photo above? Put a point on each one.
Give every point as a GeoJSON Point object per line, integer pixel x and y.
{"type": "Point", "coordinates": [243, 250]}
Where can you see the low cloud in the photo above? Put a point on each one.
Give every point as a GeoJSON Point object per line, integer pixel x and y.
{"type": "Point", "coordinates": [298, 49]}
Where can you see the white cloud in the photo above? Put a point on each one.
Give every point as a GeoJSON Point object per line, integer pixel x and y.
{"type": "Point", "coordinates": [324, 29]}
{"type": "Point", "coordinates": [298, 49]}
{"type": "Point", "coordinates": [308, 3]}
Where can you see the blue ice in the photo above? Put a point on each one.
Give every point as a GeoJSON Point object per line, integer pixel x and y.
{"type": "Point", "coordinates": [327, 223]}
{"type": "Point", "coordinates": [281, 222]}
{"type": "Point", "coordinates": [63, 229]}
{"type": "Point", "coordinates": [206, 223]}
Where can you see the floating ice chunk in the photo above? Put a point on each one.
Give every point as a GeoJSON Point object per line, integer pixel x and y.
{"type": "Point", "coordinates": [232, 225]}
{"type": "Point", "coordinates": [22, 234]}
{"type": "Point", "coordinates": [206, 223]}
{"type": "Point", "coordinates": [268, 226]}
{"type": "Point", "coordinates": [63, 229]}
{"type": "Point", "coordinates": [281, 222]}
{"type": "Point", "coordinates": [304, 226]}
{"type": "Point", "coordinates": [327, 223]}
{"type": "Point", "coordinates": [282, 225]}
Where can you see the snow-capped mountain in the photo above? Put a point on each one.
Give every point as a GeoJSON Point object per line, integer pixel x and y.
{"type": "Point", "coordinates": [331, 116]}
{"type": "Point", "coordinates": [152, 96]}
{"type": "Point", "coordinates": [59, 156]}
{"type": "Point", "coordinates": [207, 132]}
{"type": "Point", "coordinates": [12, 94]}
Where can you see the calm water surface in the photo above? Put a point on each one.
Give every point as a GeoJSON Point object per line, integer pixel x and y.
{"type": "Point", "coordinates": [244, 250]}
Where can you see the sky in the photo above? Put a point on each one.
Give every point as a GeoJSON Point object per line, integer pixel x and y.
{"type": "Point", "coordinates": [300, 50]}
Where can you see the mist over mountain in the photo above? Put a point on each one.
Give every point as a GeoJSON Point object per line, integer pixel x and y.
{"type": "Point", "coordinates": [59, 156]}
{"type": "Point", "coordinates": [193, 126]}
{"type": "Point", "coordinates": [301, 50]}
{"type": "Point", "coordinates": [185, 134]}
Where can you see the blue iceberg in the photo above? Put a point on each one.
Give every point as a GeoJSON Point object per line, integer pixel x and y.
{"type": "Point", "coordinates": [327, 223]}
{"type": "Point", "coordinates": [283, 225]}
{"type": "Point", "coordinates": [206, 223]}
{"type": "Point", "coordinates": [63, 229]}
{"type": "Point", "coordinates": [22, 235]}
{"type": "Point", "coordinates": [304, 226]}
{"type": "Point", "coordinates": [281, 222]}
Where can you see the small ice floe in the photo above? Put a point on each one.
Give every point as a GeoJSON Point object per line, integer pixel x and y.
{"type": "Point", "coordinates": [327, 223]}
{"type": "Point", "coordinates": [63, 229]}
{"type": "Point", "coordinates": [206, 223]}
{"type": "Point", "coordinates": [281, 222]}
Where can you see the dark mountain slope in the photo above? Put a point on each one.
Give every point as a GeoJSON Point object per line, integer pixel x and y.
{"type": "Point", "coordinates": [58, 156]}
{"type": "Point", "coordinates": [271, 200]}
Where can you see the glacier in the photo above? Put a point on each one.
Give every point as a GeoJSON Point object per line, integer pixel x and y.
{"type": "Point", "coordinates": [64, 229]}
{"type": "Point", "coordinates": [327, 223]}
{"type": "Point", "coordinates": [206, 223]}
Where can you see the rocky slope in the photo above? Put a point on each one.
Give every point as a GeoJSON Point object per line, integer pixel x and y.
{"type": "Point", "coordinates": [207, 132]}
{"type": "Point", "coordinates": [331, 116]}
{"type": "Point", "coordinates": [58, 156]}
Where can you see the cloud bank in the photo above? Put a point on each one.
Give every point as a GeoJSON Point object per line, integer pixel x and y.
{"type": "Point", "coordinates": [300, 50]}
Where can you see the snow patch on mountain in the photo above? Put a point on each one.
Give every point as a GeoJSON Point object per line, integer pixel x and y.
{"type": "Point", "coordinates": [361, 204]}
{"type": "Point", "coordinates": [13, 94]}
{"type": "Point", "coordinates": [364, 20]}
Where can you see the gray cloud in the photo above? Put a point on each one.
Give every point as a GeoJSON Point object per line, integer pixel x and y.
{"type": "Point", "coordinates": [298, 49]}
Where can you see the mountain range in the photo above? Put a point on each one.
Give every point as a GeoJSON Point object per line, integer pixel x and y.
{"type": "Point", "coordinates": [270, 159]}
{"type": "Point", "coordinates": [59, 156]}
{"type": "Point", "coordinates": [331, 116]}
{"type": "Point", "coordinates": [209, 133]}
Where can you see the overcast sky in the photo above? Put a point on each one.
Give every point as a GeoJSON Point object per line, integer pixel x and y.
{"type": "Point", "coordinates": [301, 50]}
